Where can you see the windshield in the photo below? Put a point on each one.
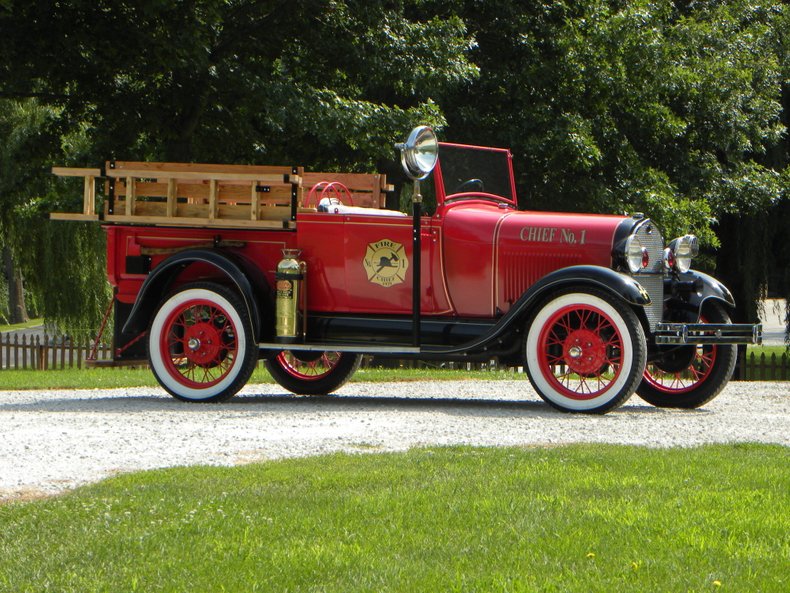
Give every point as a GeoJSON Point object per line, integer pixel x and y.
{"type": "Point", "coordinates": [472, 169]}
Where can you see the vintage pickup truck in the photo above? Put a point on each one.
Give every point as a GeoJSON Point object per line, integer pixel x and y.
{"type": "Point", "coordinates": [214, 267]}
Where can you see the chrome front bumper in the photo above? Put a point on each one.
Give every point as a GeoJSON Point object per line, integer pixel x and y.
{"type": "Point", "coordinates": [708, 333]}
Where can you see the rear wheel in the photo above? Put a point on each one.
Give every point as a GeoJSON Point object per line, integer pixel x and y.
{"type": "Point", "coordinates": [690, 376]}
{"type": "Point", "coordinates": [200, 343]}
{"type": "Point", "coordinates": [312, 373]}
{"type": "Point", "coordinates": [585, 351]}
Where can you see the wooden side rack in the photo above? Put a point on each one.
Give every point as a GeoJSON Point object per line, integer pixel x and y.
{"type": "Point", "coordinates": [207, 195]}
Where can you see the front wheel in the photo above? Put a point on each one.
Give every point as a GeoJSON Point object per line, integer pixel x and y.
{"type": "Point", "coordinates": [200, 343]}
{"type": "Point", "coordinates": [312, 373]}
{"type": "Point", "coordinates": [585, 351]}
{"type": "Point", "coordinates": [690, 376]}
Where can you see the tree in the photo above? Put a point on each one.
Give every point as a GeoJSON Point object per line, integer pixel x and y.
{"type": "Point", "coordinates": [235, 81]}
{"type": "Point", "coordinates": [57, 261]}
{"type": "Point", "coordinates": [668, 108]}
{"type": "Point", "coordinates": [323, 83]}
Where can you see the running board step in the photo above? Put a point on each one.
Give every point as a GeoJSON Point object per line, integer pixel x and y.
{"type": "Point", "coordinates": [358, 348]}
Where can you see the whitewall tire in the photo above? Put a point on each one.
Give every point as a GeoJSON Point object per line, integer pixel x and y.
{"type": "Point", "coordinates": [585, 351]}
{"type": "Point", "coordinates": [200, 344]}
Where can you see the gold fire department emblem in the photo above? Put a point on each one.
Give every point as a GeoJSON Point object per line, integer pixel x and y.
{"type": "Point", "coordinates": [386, 263]}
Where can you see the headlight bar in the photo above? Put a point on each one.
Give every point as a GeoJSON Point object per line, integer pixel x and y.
{"type": "Point", "coordinates": [680, 252]}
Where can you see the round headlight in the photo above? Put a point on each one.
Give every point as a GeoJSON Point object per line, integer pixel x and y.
{"type": "Point", "coordinates": [419, 153]}
{"type": "Point", "coordinates": [684, 249]}
{"type": "Point", "coordinates": [635, 254]}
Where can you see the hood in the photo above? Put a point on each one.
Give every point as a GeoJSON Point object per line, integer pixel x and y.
{"type": "Point", "coordinates": [530, 245]}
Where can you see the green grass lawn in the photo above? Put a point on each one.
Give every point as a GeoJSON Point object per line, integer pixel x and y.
{"type": "Point", "coordinates": [4, 327]}
{"type": "Point", "coordinates": [107, 378]}
{"type": "Point", "coordinates": [767, 350]}
{"type": "Point", "coordinates": [577, 519]}
{"type": "Point", "coordinates": [99, 378]}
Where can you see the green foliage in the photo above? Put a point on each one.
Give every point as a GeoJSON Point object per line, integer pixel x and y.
{"type": "Point", "coordinates": [218, 81]}
{"type": "Point", "coordinates": [323, 83]}
{"type": "Point", "coordinates": [613, 106]}
{"type": "Point", "coordinates": [591, 518]}
{"type": "Point", "coordinates": [58, 261]}
{"type": "Point", "coordinates": [3, 297]}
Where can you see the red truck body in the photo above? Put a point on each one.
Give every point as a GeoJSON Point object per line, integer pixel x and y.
{"type": "Point", "coordinates": [593, 306]}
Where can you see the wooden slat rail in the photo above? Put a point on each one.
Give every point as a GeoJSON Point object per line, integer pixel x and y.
{"type": "Point", "coordinates": [191, 194]}
{"type": "Point", "coordinates": [368, 190]}
{"type": "Point", "coordinates": [88, 192]}
{"type": "Point", "coordinates": [197, 175]}
{"type": "Point", "coordinates": [199, 167]}
{"type": "Point", "coordinates": [210, 195]}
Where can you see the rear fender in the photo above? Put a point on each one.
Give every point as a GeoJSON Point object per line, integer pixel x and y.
{"type": "Point", "coordinates": [242, 275]}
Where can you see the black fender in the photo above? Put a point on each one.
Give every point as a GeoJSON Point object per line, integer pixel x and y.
{"type": "Point", "coordinates": [250, 285]}
{"type": "Point", "coordinates": [690, 291]}
{"type": "Point", "coordinates": [619, 285]}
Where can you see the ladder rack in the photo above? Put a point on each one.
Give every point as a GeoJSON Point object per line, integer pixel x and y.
{"type": "Point", "coordinates": [189, 194]}
{"type": "Point", "coordinates": [210, 195]}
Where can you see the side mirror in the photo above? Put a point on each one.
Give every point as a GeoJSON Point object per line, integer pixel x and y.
{"type": "Point", "coordinates": [419, 153]}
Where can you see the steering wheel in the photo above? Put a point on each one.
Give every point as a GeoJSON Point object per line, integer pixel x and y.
{"type": "Point", "coordinates": [334, 191]}
{"type": "Point", "coordinates": [470, 185]}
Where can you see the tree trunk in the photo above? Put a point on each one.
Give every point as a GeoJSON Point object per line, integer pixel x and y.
{"type": "Point", "coordinates": [17, 312]}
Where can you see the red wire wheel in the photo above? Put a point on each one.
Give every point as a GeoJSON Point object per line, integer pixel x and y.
{"type": "Point", "coordinates": [684, 380]}
{"type": "Point", "coordinates": [200, 343]}
{"type": "Point", "coordinates": [689, 376]}
{"type": "Point", "coordinates": [580, 351]}
{"type": "Point", "coordinates": [585, 351]}
{"type": "Point", "coordinates": [312, 373]}
{"type": "Point", "coordinates": [308, 366]}
{"type": "Point", "coordinates": [200, 339]}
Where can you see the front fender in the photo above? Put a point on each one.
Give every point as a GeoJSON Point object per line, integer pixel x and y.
{"type": "Point", "coordinates": [620, 285]}
{"type": "Point", "coordinates": [159, 280]}
{"type": "Point", "coordinates": [690, 291]}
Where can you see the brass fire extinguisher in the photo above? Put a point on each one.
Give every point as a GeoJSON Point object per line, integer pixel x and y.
{"type": "Point", "coordinates": [289, 279]}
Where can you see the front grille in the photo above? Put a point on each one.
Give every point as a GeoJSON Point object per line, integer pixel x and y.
{"type": "Point", "coordinates": [654, 285]}
{"type": "Point", "coordinates": [652, 278]}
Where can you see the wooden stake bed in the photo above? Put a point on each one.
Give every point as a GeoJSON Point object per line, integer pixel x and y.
{"type": "Point", "coordinates": [209, 195]}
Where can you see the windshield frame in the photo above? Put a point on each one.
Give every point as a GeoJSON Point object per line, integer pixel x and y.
{"type": "Point", "coordinates": [442, 196]}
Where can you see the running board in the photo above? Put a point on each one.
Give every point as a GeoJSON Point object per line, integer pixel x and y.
{"type": "Point", "coordinates": [358, 348]}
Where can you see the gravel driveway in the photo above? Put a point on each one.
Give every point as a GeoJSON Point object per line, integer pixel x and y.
{"type": "Point", "coordinates": [51, 441]}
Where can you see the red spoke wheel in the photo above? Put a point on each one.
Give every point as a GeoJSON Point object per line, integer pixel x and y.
{"type": "Point", "coordinates": [690, 376]}
{"type": "Point", "coordinates": [667, 378]}
{"type": "Point", "coordinates": [200, 343]}
{"type": "Point", "coordinates": [308, 366]}
{"type": "Point", "coordinates": [312, 373]}
{"type": "Point", "coordinates": [585, 351]}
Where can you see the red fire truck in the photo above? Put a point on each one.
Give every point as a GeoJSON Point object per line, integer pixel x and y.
{"type": "Point", "coordinates": [214, 267]}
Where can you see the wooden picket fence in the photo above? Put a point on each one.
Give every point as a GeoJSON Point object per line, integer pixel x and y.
{"type": "Point", "coordinates": [764, 368]}
{"type": "Point", "coordinates": [43, 352]}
